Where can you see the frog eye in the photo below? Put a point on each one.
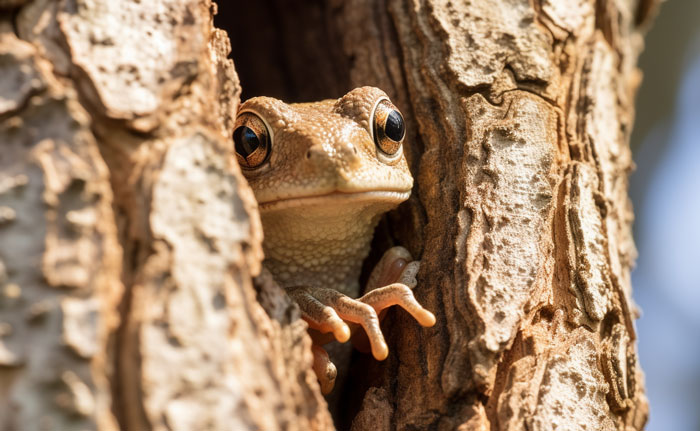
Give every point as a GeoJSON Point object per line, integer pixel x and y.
{"type": "Point", "coordinates": [252, 140]}
{"type": "Point", "coordinates": [388, 127]}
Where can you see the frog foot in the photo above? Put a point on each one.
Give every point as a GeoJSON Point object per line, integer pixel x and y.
{"type": "Point", "coordinates": [395, 266]}
{"type": "Point", "coordinates": [402, 295]}
{"type": "Point", "coordinates": [326, 311]}
{"type": "Point", "coordinates": [325, 369]}
{"type": "Point", "coordinates": [391, 283]}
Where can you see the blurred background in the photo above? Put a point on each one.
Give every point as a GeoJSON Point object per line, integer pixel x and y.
{"type": "Point", "coordinates": [665, 190]}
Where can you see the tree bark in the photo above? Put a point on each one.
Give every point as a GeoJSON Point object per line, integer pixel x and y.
{"type": "Point", "coordinates": [130, 243]}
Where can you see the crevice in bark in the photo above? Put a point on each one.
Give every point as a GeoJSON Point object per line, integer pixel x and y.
{"type": "Point", "coordinates": [13, 20]}
{"type": "Point", "coordinates": [261, 36]}
{"type": "Point", "coordinates": [503, 370]}
{"type": "Point", "coordinates": [307, 29]}
{"type": "Point", "coordinates": [125, 361]}
{"type": "Point", "coordinates": [605, 22]}
{"type": "Point", "coordinates": [127, 399]}
{"type": "Point", "coordinates": [293, 55]}
{"type": "Point", "coordinates": [524, 87]}
{"type": "Point", "coordinates": [22, 107]}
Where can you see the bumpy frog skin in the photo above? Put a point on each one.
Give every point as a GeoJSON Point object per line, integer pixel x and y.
{"type": "Point", "coordinates": [323, 174]}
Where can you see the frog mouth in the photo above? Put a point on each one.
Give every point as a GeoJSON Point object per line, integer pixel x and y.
{"type": "Point", "coordinates": [337, 198]}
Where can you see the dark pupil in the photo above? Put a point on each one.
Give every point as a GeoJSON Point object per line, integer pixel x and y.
{"type": "Point", "coordinates": [246, 141]}
{"type": "Point", "coordinates": [394, 127]}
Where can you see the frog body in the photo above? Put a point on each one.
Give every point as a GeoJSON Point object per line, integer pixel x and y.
{"type": "Point", "coordinates": [323, 174]}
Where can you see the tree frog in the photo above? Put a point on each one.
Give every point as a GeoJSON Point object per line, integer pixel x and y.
{"type": "Point", "coordinates": [323, 173]}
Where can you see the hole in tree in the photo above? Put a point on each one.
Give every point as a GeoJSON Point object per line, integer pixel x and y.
{"type": "Point", "coordinates": [291, 50]}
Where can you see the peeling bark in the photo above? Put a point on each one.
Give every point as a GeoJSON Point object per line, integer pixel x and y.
{"type": "Point", "coordinates": [131, 289]}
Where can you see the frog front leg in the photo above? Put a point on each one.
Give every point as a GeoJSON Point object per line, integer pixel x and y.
{"type": "Point", "coordinates": [391, 283]}
{"type": "Point", "coordinates": [395, 266]}
{"type": "Point", "coordinates": [327, 311]}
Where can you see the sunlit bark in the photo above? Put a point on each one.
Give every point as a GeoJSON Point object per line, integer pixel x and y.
{"type": "Point", "coordinates": [130, 242]}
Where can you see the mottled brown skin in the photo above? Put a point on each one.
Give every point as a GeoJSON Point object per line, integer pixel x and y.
{"type": "Point", "coordinates": [321, 191]}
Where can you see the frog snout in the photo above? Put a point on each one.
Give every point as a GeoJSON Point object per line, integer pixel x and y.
{"type": "Point", "coordinates": [337, 157]}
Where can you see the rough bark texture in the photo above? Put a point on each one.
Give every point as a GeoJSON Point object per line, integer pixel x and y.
{"type": "Point", "coordinates": [129, 238]}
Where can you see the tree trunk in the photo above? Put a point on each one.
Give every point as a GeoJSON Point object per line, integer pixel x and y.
{"type": "Point", "coordinates": [129, 239]}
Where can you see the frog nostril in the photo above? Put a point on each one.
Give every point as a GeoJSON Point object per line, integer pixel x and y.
{"type": "Point", "coordinates": [316, 153]}
{"type": "Point", "coordinates": [331, 154]}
